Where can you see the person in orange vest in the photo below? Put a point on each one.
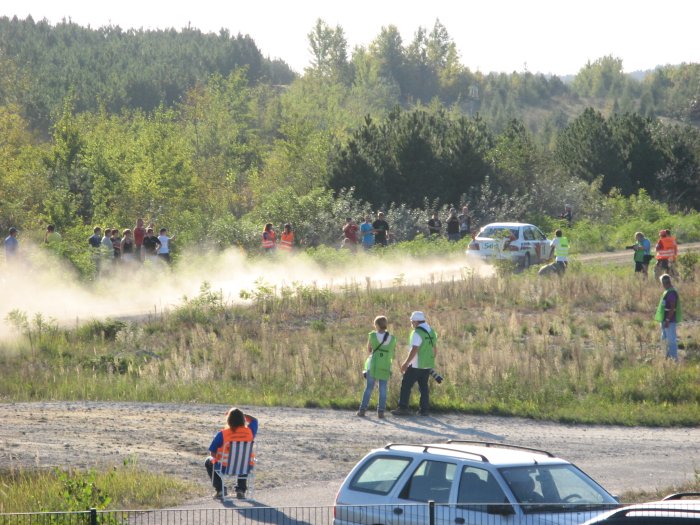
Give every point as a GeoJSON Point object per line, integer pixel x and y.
{"type": "Point", "coordinates": [664, 251]}
{"type": "Point", "coordinates": [268, 238]}
{"type": "Point", "coordinates": [240, 427]}
{"type": "Point", "coordinates": [287, 239]}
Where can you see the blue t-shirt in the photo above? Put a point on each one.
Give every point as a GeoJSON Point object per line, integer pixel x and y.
{"type": "Point", "coordinates": [11, 245]}
{"type": "Point", "coordinates": [646, 244]}
{"type": "Point", "coordinates": [367, 235]}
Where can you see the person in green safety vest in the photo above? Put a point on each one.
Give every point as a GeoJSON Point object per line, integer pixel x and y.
{"type": "Point", "coordinates": [559, 248]}
{"type": "Point", "coordinates": [418, 365]}
{"type": "Point", "coordinates": [669, 313]}
{"type": "Point", "coordinates": [380, 345]}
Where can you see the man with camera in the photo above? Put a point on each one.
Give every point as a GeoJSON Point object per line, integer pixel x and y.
{"type": "Point", "coordinates": [418, 365]}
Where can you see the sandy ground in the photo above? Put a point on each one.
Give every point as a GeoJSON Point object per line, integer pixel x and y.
{"type": "Point", "coordinates": [304, 454]}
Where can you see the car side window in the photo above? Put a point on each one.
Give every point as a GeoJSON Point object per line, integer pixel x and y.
{"type": "Point", "coordinates": [539, 235]}
{"type": "Point", "coordinates": [379, 474]}
{"type": "Point", "coordinates": [432, 480]}
{"type": "Point", "coordinates": [478, 488]}
{"type": "Point", "coordinates": [529, 235]}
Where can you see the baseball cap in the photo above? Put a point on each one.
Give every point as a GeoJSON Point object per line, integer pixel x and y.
{"type": "Point", "coordinates": [13, 230]}
{"type": "Point", "coordinates": [417, 316]}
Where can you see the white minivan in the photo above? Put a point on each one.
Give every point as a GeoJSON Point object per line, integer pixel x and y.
{"type": "Point", "coordinates": [470, 483]}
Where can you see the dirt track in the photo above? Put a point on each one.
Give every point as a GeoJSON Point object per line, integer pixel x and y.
{"type": "Point", "coordinates": [304, 454]}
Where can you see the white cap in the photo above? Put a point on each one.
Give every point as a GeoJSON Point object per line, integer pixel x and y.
{"type": "Point", "coordinates": [417, 316]}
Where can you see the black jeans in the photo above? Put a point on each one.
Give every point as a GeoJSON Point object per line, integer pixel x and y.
{"type": "Point", "coordinates": [242, 484]}
{"type": "Point", "coordinates": [411, 377]}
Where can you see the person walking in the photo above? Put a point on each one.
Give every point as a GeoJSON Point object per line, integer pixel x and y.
{"type": "Point", "coordinates": [664, 252]}
{"type": "Point", "coordinates": [669, 314]}
{"type": "Point", "coordinates": [642, 253]}
{"type": "Point", "coordinates": [453, 234]}
{"type": "Point", "coordinates": [417, 366]}
{"type": "Point", "coordinates": [380, 345]}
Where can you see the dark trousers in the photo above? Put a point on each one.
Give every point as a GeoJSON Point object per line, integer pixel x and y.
{"type": "Point", "coordinates": [411, 377]}
{"type": "Point", "coordinates": [242, 484]}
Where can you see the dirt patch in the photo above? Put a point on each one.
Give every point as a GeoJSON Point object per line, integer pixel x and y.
{"type": "Point", "coordinates": [300, 448]}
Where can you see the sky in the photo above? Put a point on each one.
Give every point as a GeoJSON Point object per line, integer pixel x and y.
{"type": "Point", "coordinates": [540, 36]}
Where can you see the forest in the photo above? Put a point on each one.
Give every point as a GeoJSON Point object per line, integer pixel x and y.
{"type": "Point", "coordinates": [202, 133]}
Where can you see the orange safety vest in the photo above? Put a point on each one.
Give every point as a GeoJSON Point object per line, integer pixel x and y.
{"type": "Point", "coordinates": [268, 240]}
{"type": "Point", "coordinates": [286, 241]}
{"type": "Point", "coordinates": [665, 248]}
{"type": "Point", "coordinates": [231, 435]}
{"type": "Point", "coordinates": [675, 247]}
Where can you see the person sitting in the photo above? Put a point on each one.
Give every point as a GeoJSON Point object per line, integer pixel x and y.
{"type": "Point", "coordinates": [240, 427]}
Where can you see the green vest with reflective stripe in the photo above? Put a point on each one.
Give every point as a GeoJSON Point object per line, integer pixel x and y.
{"type": "Point", "coordinates": [562, 249]}
{"type": "Point", "coordinates": [426, 356]}
{"type": "Point", "coordinates": [379, 365]}
{"type": "Point", "coordinates": [661, 311]}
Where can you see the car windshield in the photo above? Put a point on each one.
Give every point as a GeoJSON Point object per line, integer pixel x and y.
{"type": "Point", "coordinates": [554, 488]}
{"type": "Point", "coordinates": [499, 232]}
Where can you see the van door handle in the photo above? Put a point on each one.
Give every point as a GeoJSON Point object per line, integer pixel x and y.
{"type": "Point", "coordinates": [398, 510]}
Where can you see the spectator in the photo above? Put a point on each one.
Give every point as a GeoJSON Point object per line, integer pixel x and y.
{"type": "Point", "coordinates": [239, 428]}
{"type": "Point", "coordinates": [350, 230]}
{"type": "Point", "coordinates": [268, 239]}
{"type": "Point", "coordinates": [567, 215]}
{"type": "Point", "coordinates": [287, 239]}
{"type": "Point", "coordinates": [95, 240]}
{"type": "Point", "coordinates": [107, 240]}
{"type": "Point", "coordinates": [380, 345]}
{"type": "Point", "coordinates": [669, 313]}
{"type": "Point", "coordinates": [150, 243]}
{"type": "Point", "coordinates": [642, 253]}
{"type": "Point", "coordinates": [164, 248]}
{"type": "Point", "coordinates": [51, 235]}
{"type": "Point", "coordinates": [453, 234]}
{"type": "Point", "coordinates": [116, 244]}
{"type": "Point", "coordinates": [465, 222]}
{"type": "Point", "coordinates": [139, 235]}
{"type": "Point", "coordinates": [381, 230]}
{"type": "Point", "coordinates": [417, 366]}
{"type": "Point", "coordinates": [11, 245]}
{"type": "Point", "coordinates": [434, 225]}
{"type": "Point", "coordinates": [367, 233]}
{"type": "Point", "coordinates": [128, 246]}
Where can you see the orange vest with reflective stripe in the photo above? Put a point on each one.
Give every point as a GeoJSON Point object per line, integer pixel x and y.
{"type": "Point", "coordinates": [665, 248]}
{"type": "Point", "coordinates": [268, 241]}
{"type": "Point", "coordinates": [286, 241]}
{"type": "Point", "coordinates": [231, 435]}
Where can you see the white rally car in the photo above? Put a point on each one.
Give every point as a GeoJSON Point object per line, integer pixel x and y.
{"type": "Point", "coordinates": [524, 244]}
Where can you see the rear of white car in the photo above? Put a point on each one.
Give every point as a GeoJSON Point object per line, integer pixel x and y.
{"type": "Point", "coordinates": [522, 243]}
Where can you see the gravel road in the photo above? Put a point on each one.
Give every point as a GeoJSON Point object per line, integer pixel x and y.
{"type": "Point", "coordinates": [303, 454]}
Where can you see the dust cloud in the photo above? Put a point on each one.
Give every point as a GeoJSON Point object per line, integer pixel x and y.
{"type": "Point", "coordinates": [41, 284]}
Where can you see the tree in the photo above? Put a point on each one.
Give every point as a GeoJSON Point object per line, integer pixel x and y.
{"type": "Point", "coordinates": [328, 48]}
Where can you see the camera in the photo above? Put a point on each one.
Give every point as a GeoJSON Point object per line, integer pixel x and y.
{"type": "Point", "coordinates": [438, 378]}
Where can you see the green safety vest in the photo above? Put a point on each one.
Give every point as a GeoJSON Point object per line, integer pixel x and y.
{"type": "Point", "coordinates": [426, 356]}
{"type": "Point", "coordinates": [638, 253]}
{"type": "Point", "coordinates": [562, 249]}
{"type": "Point", "coordinates": [661, 311]}
{"type": "Point", "coordinates": [379, 363]}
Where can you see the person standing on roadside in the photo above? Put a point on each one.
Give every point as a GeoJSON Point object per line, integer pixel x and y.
{"type": "Point", "coordinates": [559, 248]}
{"type": "Point", "coordinates": [164, 248]}
{"type": "Point", "coordinates": [150, 243]}
{"type": "Point", "coordinates": [465, 222]}
{"type": "Point", "coordinates": [434, 225]}
{"type": "Point", "coordinates": [417, 366]}
{"type": "Point", "coordinates": [139, 235]}
{"type": "Point", "coordinates": [669, 313]}
{"type": "Point", "coordinates": [453, 234]}
{"type": "Point", "coordinates": [380, 345]}
{"type": "Point", "coordinates": [642, 253]}
{"type": "Point", "coordinates": [287, 239]}
{"type": "Point", "coordinates": [51, 235]}
{"type": "Point", "coordinates": [268, 239]}
{"type": "Point", "coordinates": [350, 230]}
{"type": "Point", "coordinates": [381, 230]}
{"type": "Point", "coordinates": [367, 233]}
{"type": "Point", "coordinates": [11, 245]}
